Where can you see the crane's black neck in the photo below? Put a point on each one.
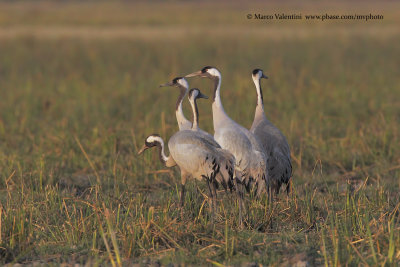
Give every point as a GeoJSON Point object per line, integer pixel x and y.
{"type": "Point", "coordinates": [216, 84]}
{"type": "Point", "coordinates": [260, 94]}
{"type": "Point", "coordinates": [195, 114]}
{"type": "Point", "coordinates": [161, 152]}
{"type": "Point", "coordinates": [182, 93]}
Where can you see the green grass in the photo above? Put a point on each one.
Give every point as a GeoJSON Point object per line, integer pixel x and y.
{"type": "Point", "coordinates": [73, 113]}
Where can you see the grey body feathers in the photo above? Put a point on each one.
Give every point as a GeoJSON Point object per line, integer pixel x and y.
{"type": "Point", "coordinates": [275, 146]}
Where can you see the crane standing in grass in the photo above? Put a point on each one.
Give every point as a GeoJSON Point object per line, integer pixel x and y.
{"type": "Point", "coordinates": [250, 161]}
{"type": "Point", "coordinates": [185, 124]}
{"type": "Point", "coordinates": [272, 141]}
{"type": "Point", "coordinates": [196, 157]}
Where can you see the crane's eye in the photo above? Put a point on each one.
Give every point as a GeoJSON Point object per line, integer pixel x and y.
{"type": "Point", "coordinates": [205, 69]}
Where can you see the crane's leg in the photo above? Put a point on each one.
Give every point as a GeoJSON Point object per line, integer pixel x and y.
{"type": "Point", "coordinates": [260, 187]}
{"type": "Point", "coordinates": [214, 188]}
{"type": "Point", "coordinates": [269, 192]}
{"type": "Point", "coordinates": [211, 187]}
{"type": "Point", "coordinates": [278, 187]}
{"type": "Point", "coordinates": [289, 187]}
{"type": "Point", "coordinates": [182, 201]}
{"type": "Point", "coordinates": [183, 182]}
{"type": "Point", "coordinates": [240, 201]}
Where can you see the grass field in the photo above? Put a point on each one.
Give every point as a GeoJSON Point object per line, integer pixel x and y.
{"type": "Point", "coordinates": [79, 93]}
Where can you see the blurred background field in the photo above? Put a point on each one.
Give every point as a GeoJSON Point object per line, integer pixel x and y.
{"type": "Point", "coordinates": [79, 93]}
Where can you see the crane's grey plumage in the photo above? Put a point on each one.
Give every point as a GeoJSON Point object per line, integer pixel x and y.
{"type": "Point", "coordinates": [196, 157]}
{"type": "Point", "coordinates": [183, 123]}
{"type": "Point", "coordinates": [194, 94]}
{"type": "Point", "coordinates": [272, 140]}
{"type": "Point", "coordinates": [250, 161]}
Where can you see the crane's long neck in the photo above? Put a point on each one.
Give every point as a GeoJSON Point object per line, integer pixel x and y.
{"type": "Point", "coordinates": [180, 117]}
{"type": "Point", "coordinates": [217, 108]}
{"type": "Point", "coordinates": [260, 101]}
{"type": "Point", "coordinates": [195, 125]}
{"type": "Point", "coordinates": [161, 152]}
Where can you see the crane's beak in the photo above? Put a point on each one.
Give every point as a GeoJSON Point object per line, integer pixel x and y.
{"type": "Point", "coordinates": [142, 149]}
{"type": "Point", "coordinates": [200, 95]}
{"type": "Point", "coordinates": [194, 74]}
{"type": "Point", "coordinates": [166, 84]}
{"type": "Point", "coordinates": [264, 76]}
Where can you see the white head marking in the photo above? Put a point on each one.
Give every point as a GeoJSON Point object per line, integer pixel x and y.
{"type": "Point", "coordinates": [183, 82]}
{"type": "Point", "coordinates": [153, 138]}
{"type": "Point", "coordinates": [194, 94]}
{"type": "Point", "coordinates": [214, 72]}
{"type": "Point", "coordinates": [258, 75]}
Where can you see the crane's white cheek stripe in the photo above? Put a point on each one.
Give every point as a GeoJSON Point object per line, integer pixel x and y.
{"type": "Point", "coordinates": [214, 72]}
{"type": "Point", "coordinates": [152, 139]}
{"type": "Point", "coordinates": [184, 83]}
